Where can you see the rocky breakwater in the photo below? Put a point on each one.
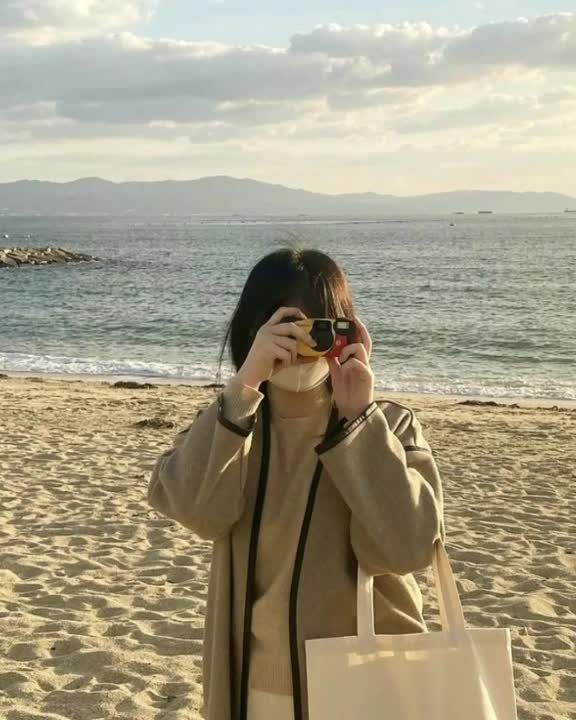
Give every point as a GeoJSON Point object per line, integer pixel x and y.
{"type": "Point", "coordinates": [16, 256]}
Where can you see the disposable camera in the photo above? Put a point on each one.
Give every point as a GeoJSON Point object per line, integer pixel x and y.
{"type": "Point", "coordinates": [331, 335]}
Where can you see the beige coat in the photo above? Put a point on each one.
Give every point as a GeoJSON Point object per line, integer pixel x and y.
{"type": "Point", "coordinates": [376, 498]}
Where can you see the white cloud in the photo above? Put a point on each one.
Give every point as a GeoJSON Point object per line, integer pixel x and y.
{"type": "Point", "coordinates": [359, 99]}
{"type": "Point", "coordinates": [369, 85]}
{"type": "Point", "coordinates": [141, 80]}
{"type": "Point", "coordinates": [49, 21]}
{"type": "Point", "coordinates": [493, 110]}
{"type": "Point", "coordinates": [131, 79]}
{"type": "Point", "coordinates": [380, 43]}
{"type": "Point", "coordinates": [546, 42]}
{"type": "Point", "coordinates": [416, 54]}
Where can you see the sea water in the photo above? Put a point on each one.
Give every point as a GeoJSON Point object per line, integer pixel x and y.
{"type": "Point", "coordinates": [455, 304]}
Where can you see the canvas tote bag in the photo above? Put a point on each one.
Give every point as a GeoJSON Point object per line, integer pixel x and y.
{"type": "Point", "coordinates": [459, 673]}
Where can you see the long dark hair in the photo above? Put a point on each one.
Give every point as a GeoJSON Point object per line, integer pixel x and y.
{"type": "Point", "coordinates": [290, 276]}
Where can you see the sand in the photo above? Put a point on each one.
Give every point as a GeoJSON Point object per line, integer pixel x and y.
{"type": "Point", "coordinates": [102, 599]}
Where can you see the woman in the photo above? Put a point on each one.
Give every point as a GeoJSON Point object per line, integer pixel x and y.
{"type": "Point", "coordinates": [296, 474]}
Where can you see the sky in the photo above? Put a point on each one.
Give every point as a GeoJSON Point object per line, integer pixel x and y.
{"type": "Point", "coordinates": [327, 96]}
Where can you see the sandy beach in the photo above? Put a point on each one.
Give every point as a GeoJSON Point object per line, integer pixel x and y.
{"type": "Point", "coordinates": [102, 600]}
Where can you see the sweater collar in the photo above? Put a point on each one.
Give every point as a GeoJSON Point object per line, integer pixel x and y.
{"type": "Point", "coordinates": [287, 404]}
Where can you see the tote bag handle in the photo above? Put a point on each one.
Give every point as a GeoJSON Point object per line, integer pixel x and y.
{"type": "Point", "coordinates": [451, 613]}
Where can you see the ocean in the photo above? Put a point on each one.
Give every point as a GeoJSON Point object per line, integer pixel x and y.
{"type": "Point", "coordinates": [472, 305]}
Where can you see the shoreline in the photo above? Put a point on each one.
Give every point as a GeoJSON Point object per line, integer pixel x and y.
{"type": "Point", "coordinates": [532, 403]}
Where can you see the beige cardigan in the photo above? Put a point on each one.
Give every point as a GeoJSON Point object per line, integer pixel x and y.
{"type": "Point", "coordinates": [376, 498]}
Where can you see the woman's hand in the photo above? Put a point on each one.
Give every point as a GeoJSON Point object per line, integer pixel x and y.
{"type": "Point", "coordinates": [351, 375]}
{"type": "Point", "coordinates": [274, 347]}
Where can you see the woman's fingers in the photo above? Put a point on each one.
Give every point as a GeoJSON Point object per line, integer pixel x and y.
{"type": "Point", "coordinates": [357, 350]}
{"type": "Point", "coordinates": [283, 312]}
{"type": "Point", "coordinates": [291, 328]}
{"type": "Point", "coordinates": [364, 338]}
{"type": "Point", "coordinates": [288, 343]}
{"type": "Point", "coordinates": [283, 356]}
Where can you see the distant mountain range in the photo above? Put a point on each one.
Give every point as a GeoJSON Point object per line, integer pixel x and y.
{"type": "Point", "coordinates": [228, 196]}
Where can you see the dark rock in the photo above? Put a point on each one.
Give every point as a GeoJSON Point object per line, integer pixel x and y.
{"type": "Point", "coordinates": [15, 256]}
{"type": "Point", "coordinates": [132, 385]}
{"type": "Point", "coordinates": [514, 405]}
{"type": "Point", "coordinates": [155, 422]}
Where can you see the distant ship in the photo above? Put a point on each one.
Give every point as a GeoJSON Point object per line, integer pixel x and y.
{"type": "Point", "coordinates": [567, 210]}
{"type": "Point", "coordinates": [484, 212]}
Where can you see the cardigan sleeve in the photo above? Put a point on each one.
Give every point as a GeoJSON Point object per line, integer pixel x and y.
{"type": "Point", "coordinates": [200, 480]}
{"type": "Point", "coordinates": [391, 483]}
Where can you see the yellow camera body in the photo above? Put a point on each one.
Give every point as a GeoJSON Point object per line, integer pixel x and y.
{"type": "Point", "coordinates": [331, 335]}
